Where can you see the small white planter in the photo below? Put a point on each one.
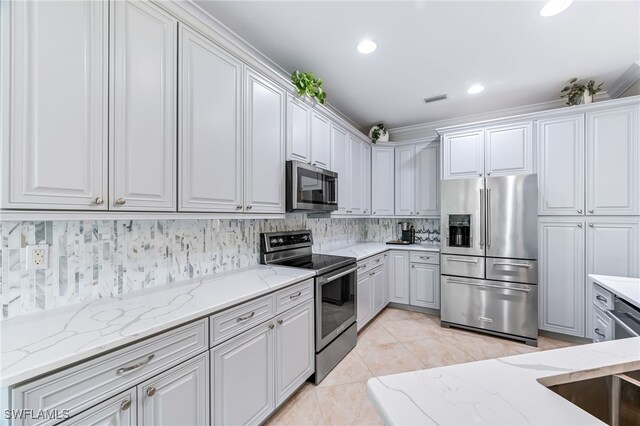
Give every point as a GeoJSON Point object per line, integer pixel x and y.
{"type": "Point", "coordinates": [587, 98]}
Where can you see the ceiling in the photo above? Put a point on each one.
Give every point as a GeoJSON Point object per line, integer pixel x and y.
{"type": "Point", "coordinates": [430, 47]}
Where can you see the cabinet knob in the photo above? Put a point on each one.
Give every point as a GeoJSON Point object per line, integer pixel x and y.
{"type": "Point", "coordinates": [591, 225]}
{"type": "Point", "coordinates": [579, 211]}
{"type": "Point", "coordinates": [280, 322]}
{"type": "Point", "coordinates": [590, 211]}
{"type": "Point", "coordinates": [480, 174]}
{"type": "Point", "coordinates": [271, 326]}
{"type": "Point", "coordinates": [125, 405]}
{"type": "Point", "coordinates": [364, 211]}
{"type": "Point", "coordinates": [413, 266]}
{"type": "Point", "coordinates": [488, 173]}
{"type": "Point", "coordinates": [151, 391]}
{"type": "Point", "coordinates": [579, 225]}
{"type": "Point", "coordinates": [98, 201]}
{"type": "Point", "coordinates": [249, 206]}
{"type": "Point", "coordinates": [239, 206]}
{"type": "Point", "coordinates": [120, 202]}
{"type": "Point", "coordinates": [410, 212]}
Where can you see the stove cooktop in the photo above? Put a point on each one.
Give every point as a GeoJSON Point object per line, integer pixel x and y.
{"type": "Point", "coordinates": [321, 263]}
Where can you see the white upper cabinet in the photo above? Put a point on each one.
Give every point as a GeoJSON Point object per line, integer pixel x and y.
{"type": "Point", "coordinates": [341, 163]}
{"type": "Point", "coordinates": [54, 137]}
{"type": "Point", "coordinates": [508, 149]}
{"type": "Point", "coordinates": [366, 178]}
{"type": "Point", "coordinates": [320, 140]}
{"type": "Point", "coordinates": [561, 165]}
{"type": "Point", "coordinates": [298, 129]}
{"type": "Point", "coordinates": [382, 181]}
{"type": "Point", "coordinates": [463, 154]}
{"type": "Point", "coordinates": [210, 138]}
{"type": "Point", "coordinates": [613, 162]}
{"type": "Point", "coordinates": [405, 181]}
{"type": "Point", "coordinates": [264, 145]}
{"type": "Point", "coordinates": [357, 177]}
{"type": "Point", "coordinates": [143, 111]}
{"type": "Point", "coordinates": [427, 179]}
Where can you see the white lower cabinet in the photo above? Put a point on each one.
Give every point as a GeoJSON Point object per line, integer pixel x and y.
{"type": "Point", "coordinates": [177, 396]}
{"type": "Point", "coordinates": [425, 285]}
{"type": "Point", "coordinates": [120, 410]}
{"type": "Point", "coordinates": [399, 277]}
{"type": "Point", "coordinates": [364, 295]}
{"type": "Point", "coordinates": [379, 284]}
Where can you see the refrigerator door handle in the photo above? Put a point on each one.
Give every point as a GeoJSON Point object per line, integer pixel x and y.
{"type": "Point", "coordinates": [488, 217]}
{"type": "Point", "coordinates": [482, 218]}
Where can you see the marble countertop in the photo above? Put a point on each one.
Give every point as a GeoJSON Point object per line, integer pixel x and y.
{"type": "Point", "coordinates": [36, 344]}
{"type": "Point", "coordinates": [625, 288]}
{"type": "Point", "coordinates": [499, 391]}
{"type": "Point", "coordinates": [363, 250]}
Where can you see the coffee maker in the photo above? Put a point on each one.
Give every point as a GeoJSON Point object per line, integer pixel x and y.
{"type": "Point", "coordinates": [407, 232]}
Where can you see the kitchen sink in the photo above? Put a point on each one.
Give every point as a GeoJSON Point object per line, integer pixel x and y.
{"type": "Point", "coordinates": [612, 398]}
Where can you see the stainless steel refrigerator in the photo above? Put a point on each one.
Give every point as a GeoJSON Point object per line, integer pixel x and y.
{"type": "Point", "coordinates": [489, 252]}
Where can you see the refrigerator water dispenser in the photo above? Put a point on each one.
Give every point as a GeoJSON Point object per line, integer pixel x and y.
{"type": "Point", "coordinates": [459, 234]}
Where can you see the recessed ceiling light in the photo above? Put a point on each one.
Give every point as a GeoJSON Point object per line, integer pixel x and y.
{"type": "Point", "coordinates": [476, 88]}
{"type": "Point", "coordinates": [367, 46]}
{"type": "Point", "coordinates": [553, 7]}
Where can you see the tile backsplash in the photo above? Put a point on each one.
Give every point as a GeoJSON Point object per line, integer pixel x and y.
{"type": "Point", "coordinates": [91, 259]}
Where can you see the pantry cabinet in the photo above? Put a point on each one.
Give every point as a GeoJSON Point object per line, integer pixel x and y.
{"type": "Point", "coordinates": [264, 132]}
{"type": "Point", "coordinates": [417, 181]}
{"type": "Point", "coordinates": [210, 138]}
{"type": "Point", "coordinates": [143, 148]}
{"type": "Point", "coordinates": [54, 137]}
{"type": "Point", "coordinates": [382, 180]}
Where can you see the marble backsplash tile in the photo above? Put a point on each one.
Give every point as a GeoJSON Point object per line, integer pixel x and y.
{"type": "Point", "coordinates": [91, 259]}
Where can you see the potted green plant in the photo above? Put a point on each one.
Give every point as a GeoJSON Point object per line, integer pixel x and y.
{"type": "Point", "coordinates": [577, 92]}
{"type": "Point", "coordinates": [378, 133]}
{"type": "Point", "coordinates": [307, 84]}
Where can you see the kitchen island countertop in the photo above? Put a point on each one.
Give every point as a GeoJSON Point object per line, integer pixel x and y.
{"type": "Point", "coordinates": [623, 287]}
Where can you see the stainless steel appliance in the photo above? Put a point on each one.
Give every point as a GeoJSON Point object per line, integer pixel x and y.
{"type": "Point", "coordinates": [489, 255]}
{"type": "Point", "coordinates": [335, 293]}
{"type": "Point", "coordinates": [626, 319]}
{"type": "Point", "coordinates": [310, 188]}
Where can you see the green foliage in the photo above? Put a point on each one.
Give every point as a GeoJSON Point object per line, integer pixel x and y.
{"type": "Point", "coordinates": [376, 132]}
{"type": "Point", "coordinates": [575, 89]}
{"type": "Point", "coordinates": [307, 84]}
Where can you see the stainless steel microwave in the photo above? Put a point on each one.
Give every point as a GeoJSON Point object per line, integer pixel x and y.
{"type": "Point", "coordinates": [310, 188]}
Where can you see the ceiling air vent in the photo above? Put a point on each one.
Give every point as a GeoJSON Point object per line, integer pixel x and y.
{"type": "Point", "coordinates": [435, 98]}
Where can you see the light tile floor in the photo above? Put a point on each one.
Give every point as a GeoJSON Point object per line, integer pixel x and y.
{"type": "Point", "coordinates": [396, 341]}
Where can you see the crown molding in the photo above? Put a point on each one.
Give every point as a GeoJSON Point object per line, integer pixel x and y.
{"type": "Point", "coordinates": [626, 80]}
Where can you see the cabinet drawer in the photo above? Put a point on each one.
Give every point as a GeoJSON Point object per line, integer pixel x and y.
{"type": "Point", "coordinates": [602, 326]}
{"type": "Point", "coordinates": [78, 388]}
{"type": "Point", "coordinates": [514, 270]}
{"type": "Point", "coordinates": [463, 266]}
{"type": "Point", "coordinates": [421, 257]}
{"type": "Point", "coordinates": [294, 295]}
{"type": "Point", "coordinates": [236, 320]}
{"type": "Point", "coordinates": [602, 298]}
{"type": "Point", "coordinates": [119, 410]}
{"type": "Point", "coordinates": [369, 263]}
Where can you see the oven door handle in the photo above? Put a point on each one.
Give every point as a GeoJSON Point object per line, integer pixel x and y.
{"type": "Point", "coordinates": [621, 323]}
{"type": "Point", "coordinates": [324, 280]}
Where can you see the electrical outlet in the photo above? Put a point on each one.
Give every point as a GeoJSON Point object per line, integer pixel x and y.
{"type": "Point", "coordinates": [37, 257]}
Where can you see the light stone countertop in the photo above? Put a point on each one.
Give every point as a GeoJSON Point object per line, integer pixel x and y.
{"type": "Point", "coordinates": [363, 250]}
{"type": "Point", "coordinates": [502, 391]}
{"type": "Point", "coordinates": [36, 344]}
{"type": "Point", "coordinates": [623, 287]}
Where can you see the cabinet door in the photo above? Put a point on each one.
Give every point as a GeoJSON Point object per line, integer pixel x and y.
{"type": "Point", "coordinates": [386, 278]}
{"type": "Point", "coordinates": [382, 181]}
{"type": "Point", "coordinates": [561, 277]}
{"type": "Point", "coordinates": [143, 105]}
{"type": "Point", "coordinates": [320, 141]}
{"type": "Point", "coordinates": [425, 285]}
{"type": "Point", "coordinates": [357, 176]}
{"type": "Point", "coordinates": [177, 396]}
{"type": "Point", "coordinates": [602, 326]}
{"type": "Point", "coordinates": [54, 133]}
{"type": "Point", "coordinates": [561, 165]}
{"type": "Point", "coordinates": [366, 178]}
{"type": "Point", "coordinates": [379, 289]}
{"type": "Point", "coordinates": [399, 277]}
{"type": "Point", "coordinates": [405, 181]}
{"type": "Point", "coordinates": [613, 154]}
{"type": "Point", "coordinates": [242, 379]}
{"type": "Point", "coordinates": [295, 349]}
{"type": "Point", "coordinates": [341, 162]}
{"type": "Point", "coordinates": [298, 130]}
{"type": "Point", "coordinates": [613, 248]}
{"type": "Point", "coordinates": [120, 410]}
{"type": "Point", "coordinates": [264, 145]}
{"type": "Point", "coordinates": [463, 154]}
{"type": "Point", "coordinates": [364, 295]}
{"type": "Point", "coordinates": [508, 149]}
{"type": "Point", "coordinates": [210, 143]}
{"type": "Point", "coordinates": [427, 176]}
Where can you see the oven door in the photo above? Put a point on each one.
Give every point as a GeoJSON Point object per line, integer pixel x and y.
{"type": "Point", "coordinates": [335, 304]}
{"type": "Point", "coordinates": [626, 319]}
{"type": "Point", "coordinates": [310, 188]}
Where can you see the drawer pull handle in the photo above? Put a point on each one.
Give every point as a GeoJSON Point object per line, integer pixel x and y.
{"type": "Point", "coordinates": [378, 260]}
{"type": "Point", "coordinates": [601, 298]}
{"type": "Point", "coordinates": [246, 317]}
{"type": "Point", "coordinates": [295, 295]}
{"type": "Point", "coordinates": [123, 370]}
{"type": "Point", "coordinates": [271, 326]}
{"type": "Point", "coordinates": [125, 405]}
{"type": "Point", "coordinates": [457, 259]}
{"type": "Point", "coordinates": [151, 391]}
{"type": "Point", "coordinates": [521, 265]}
{"type": "Point", "coordinates": [597, 331]}
{"type": "Point", "coordinates": [280, 322]}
